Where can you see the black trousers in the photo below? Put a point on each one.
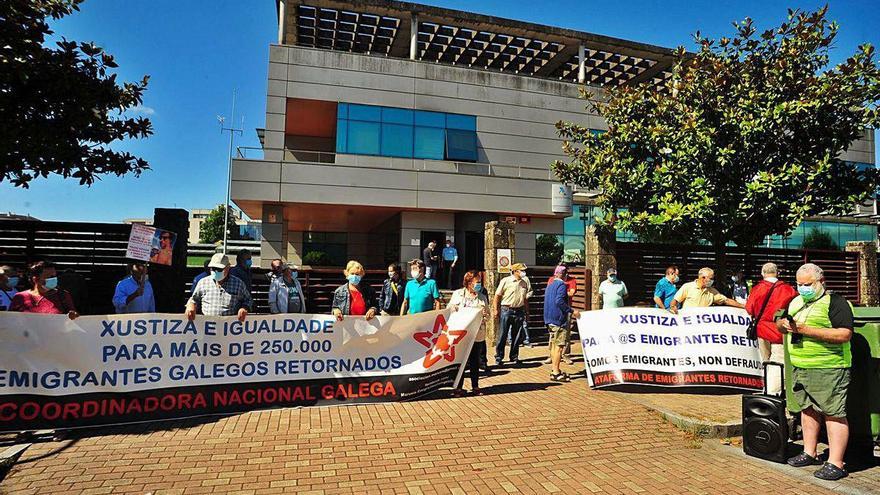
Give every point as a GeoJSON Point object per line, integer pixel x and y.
{"type": "Point", "coordinates": [473, 364]}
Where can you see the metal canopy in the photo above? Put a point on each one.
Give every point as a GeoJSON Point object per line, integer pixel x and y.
{"type": "Point", "coordinates": [343, 30]}
{"type": "Point", "coordinates": [488, 50]}
{"type": "Point", "coordinates": [472, 40]}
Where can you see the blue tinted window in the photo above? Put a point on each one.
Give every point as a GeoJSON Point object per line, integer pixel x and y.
{"type": "Point", "coordinates": [363, 138]}
{"type": "Point", "coordinates": [430, 119]}
{"type": "Point", "coordinates": [429, 143]}
{"type": "Point", "coordinates": [463, 122]}
{"type": "Point", "coordinates": [364, 112]}
{"type": "Point", "coordinates": [397, 140]}
{"type": "Point", "coordinates": [341, 136]}
{"type": "Point", "coordinates": [342, 111]}
{"type": "Point", "coordinates": [397, 116]}
{"type": "Point", "coordinates": [461, 145]}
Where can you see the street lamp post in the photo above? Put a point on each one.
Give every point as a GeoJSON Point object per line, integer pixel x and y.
{"type": "Point", "coordinates": [232, 131]}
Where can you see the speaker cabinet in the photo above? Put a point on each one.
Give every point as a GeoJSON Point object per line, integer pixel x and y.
{"type": "Point", "coordinates": [765, 428]}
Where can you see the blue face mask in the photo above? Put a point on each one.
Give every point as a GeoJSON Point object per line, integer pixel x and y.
{"type": "Point", "coordinates": [478, 287]}
{"type": "Point", "coordinates": [354, 279]}
{"type": "Point", "coordinates": [807, 292]}
{"type": "Point", "coordinates": [248, 263]}
{"type": "Point", "coordinates": [218, 275]}
{"type": "Point", "coordinates": [293, 275]}
{"type": "Point", "coordinates": [12, 282]}
{"type": "Point", "coordinates": [51, 283]}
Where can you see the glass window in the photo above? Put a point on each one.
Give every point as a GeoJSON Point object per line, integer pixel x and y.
{"type": "Point", "coordinates": [397, 140]}
{"type": "Point", "coordinates": [461, 145]}
{"type": "Point", "coordinates": [430, 119]}
{"type": "Point", "coordinates": [342, 111]}
{"type": "Point", "coordinates": [363, 138]}
{"type": "Point", "coordinates": [342, 136]}
{"type": "Point", "coordinates": [364, 112]}
{"type": "Point", "coordinates": [429, 143]}
{"type": "Point", "coordinates": [397, 116]}
{"type": "Point", "coordinates": [463, 122]}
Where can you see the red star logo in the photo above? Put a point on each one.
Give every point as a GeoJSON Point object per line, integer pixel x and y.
{"type": "Point", "coordinates": [440, 341]}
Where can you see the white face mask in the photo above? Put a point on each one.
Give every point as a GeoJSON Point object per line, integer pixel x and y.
{"type": "Point", "coordinates": [772, 280]}
{"type": "Point", "coordinates": [415, 273]}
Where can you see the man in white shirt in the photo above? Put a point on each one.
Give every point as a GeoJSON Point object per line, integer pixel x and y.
{"type": "Point", "coordinates": [613, 290]}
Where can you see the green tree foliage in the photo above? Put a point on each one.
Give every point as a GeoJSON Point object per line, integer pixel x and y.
{"type": "Point", "coordinates": [211, 230]}
{"type": "Point", "coordinates": [742, 142]}
{"type": "Point", "coordinates": [819, 239]}
{"type": "Point", "coordinates": [60, 107]}
{"type": "Point", "coordinates": [317, 258]}
{"type": "Point", "coordinates": [548, 250]}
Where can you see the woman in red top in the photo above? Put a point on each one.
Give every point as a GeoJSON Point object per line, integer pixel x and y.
{"type": "Point", "coordinates": [354, 297]}
{"type": "Point", "coordinates": [44, 296]}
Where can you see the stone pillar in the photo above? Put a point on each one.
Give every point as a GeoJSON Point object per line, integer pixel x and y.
{"type": "Point", "coordinates": [600, 255]}
{"type": "Point", "coordinates": [498, 235]}
{"type": "Point", "coordinates": [414, 37]}
{"type": "Point", "coordinates": [868, 290]}
{"type": "Point", "coordinates": [273, 242]}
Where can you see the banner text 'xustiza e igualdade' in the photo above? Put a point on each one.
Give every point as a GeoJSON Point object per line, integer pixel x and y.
{"type": "Point", "coordinates": [700, 347]}
{"type": "Point", "coordinates": [96, 370]}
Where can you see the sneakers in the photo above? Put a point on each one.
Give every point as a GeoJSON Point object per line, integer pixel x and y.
{"type": "Point", "coordinates": [567, 360]}
{"type": "Point", "coordinates": [803, 460]}
{"type": "Point", "coordinates": [560, 377]}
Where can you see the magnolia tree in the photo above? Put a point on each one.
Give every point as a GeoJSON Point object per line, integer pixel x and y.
{"type": "Point", "coordinates": [61, 108]}
{"type": "Point", "coordinates": [742, 142]}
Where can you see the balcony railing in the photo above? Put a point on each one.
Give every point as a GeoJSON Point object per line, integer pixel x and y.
{"type": "Point", "coordinates": [384, 162]}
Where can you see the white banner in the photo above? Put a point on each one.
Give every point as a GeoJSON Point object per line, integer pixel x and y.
{"type": "Point", "coordinates": [699, 347]}
{"type": "Point", "coordinates": [56, 372]}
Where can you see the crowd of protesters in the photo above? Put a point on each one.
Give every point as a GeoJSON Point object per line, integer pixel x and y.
{"type": "Point", "coordinates": [823, 320]}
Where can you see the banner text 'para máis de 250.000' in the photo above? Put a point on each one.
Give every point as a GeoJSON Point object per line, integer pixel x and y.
{"type": "Point", "coordinates": [699, 347]}
{"type": "Point", "coordinates": [98, 370]}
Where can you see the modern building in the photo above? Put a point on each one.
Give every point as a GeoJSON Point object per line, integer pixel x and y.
{"type": "Point", "coordinates": [389, 124]}
{"type": "Point", "coordinates": [247, 229]}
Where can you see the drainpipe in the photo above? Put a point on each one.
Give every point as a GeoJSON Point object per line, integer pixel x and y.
{"type": "Point", "coordinates": [282, 22]}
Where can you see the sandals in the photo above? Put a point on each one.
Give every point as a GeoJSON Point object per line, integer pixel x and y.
{"type": "Point", "coordinates": [830, 472]}
{"type": "Point", "coordinates": [560, 377]}
{"type": "Point", "coordinates": [803, 460]}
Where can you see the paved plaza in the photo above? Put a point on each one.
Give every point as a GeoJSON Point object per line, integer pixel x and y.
{"type": "Point", "coordinates": [525, 435]}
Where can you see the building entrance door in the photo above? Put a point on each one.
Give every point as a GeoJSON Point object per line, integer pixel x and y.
{"type": "Point", "coordinates": [439, 237]}
{"type": "Point", "coordinates": [474, 254]}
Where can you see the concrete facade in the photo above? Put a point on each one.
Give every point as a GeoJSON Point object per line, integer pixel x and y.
{"type": "Point", "coordinates": [369, 198]}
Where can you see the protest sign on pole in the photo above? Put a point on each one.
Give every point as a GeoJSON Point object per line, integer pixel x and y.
{"type": "Point", "coordinates": [699, 347]}
{"type": "Point", "coordinates": [98, 370]}
{"type": "Point", "coordinates": [151, 244]}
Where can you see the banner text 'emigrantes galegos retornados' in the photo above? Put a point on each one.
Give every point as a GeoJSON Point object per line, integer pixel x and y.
{"type": "Point", "coordinates": [700, 347]}
{"type": "Point", "coordinates": [98, 370]}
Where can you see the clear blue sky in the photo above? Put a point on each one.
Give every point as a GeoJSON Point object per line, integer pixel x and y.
{"type": "Point", "coordinates": [196, 52]}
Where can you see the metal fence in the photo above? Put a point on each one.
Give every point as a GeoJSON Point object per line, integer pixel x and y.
{"type": "Point", "coordinates": [641, 265]}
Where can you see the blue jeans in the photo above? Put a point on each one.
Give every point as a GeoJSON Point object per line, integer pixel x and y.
{"type": "Point", "coordinates": [511, 324]}
{"type": "Point", "coordinates": [525, 331]}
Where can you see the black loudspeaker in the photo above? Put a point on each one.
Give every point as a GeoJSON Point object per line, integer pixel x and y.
{"type": "Point", "coordinates": [765, 428]}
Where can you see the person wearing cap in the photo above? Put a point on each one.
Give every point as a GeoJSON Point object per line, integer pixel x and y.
{"type": "Point", "coordinates": [612, 290]}
{"type": "Point", "coordinates": [9, 279]}
{"type": "Point", "coordinates": [511, 306]}
{"type": "Point", "coordinates": [221, 294]}
{"type": "Point", "coordinates": [285, 292]}
{"type": "Point", "coordinates": [355, 297]}
{"type": "Point", "coordinates": [134, 294]}
{"type": "Point", "coordinates": [242, 268]}
{"type": "Point", "coordinates": [421, 293]}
